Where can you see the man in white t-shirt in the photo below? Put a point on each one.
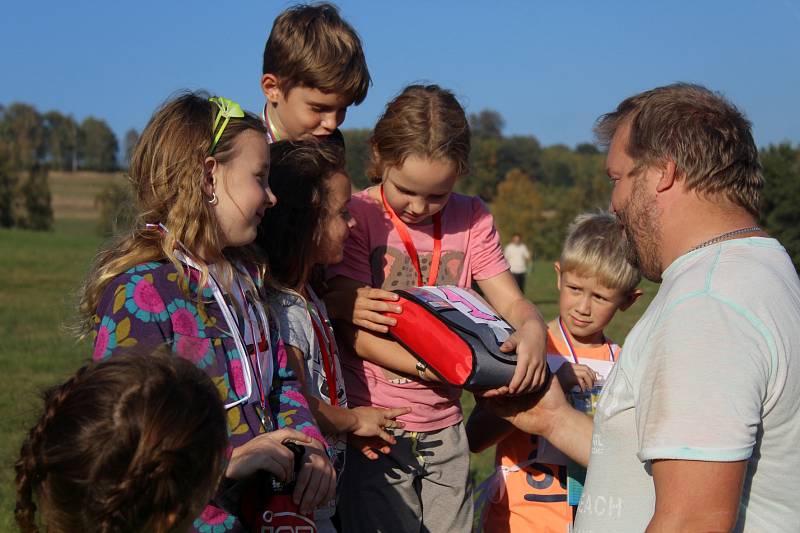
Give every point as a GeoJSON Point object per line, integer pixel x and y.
{"type": "Point", "coordinates": [698, 425]}
{"type": "Point", "coordinates": [518, 257]}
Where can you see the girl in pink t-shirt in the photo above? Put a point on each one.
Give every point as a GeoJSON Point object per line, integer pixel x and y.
{"type": "Point", "coordinates": [411, 229]}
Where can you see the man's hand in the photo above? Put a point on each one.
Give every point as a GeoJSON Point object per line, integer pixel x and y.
{"type": "Point", "coordinates": [533, 413]}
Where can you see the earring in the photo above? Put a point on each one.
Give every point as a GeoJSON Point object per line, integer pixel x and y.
{"type": "Point", "coordinates": [214, 200]}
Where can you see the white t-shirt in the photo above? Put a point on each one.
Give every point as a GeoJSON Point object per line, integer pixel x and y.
{"type": "Point", "coordinates": [711, 372]}
{"type": "Point", "coordinates": [517, 256]}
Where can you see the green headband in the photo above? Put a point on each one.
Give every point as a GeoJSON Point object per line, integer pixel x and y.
{"type": "Point", "coordinates": [228, 109]}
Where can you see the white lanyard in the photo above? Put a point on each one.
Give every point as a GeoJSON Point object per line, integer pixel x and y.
{"type": "Point", "coordinates": [262, 360]}
{"type": "Point", "coordinates": [572, 350]}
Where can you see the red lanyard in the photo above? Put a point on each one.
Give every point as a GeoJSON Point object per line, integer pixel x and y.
{"type": "Point", "coordinates": [402, 230]}
{"type": "Point", "coordinates": [571, 348]}
{"type": "Point", "coordinates": [327, 346]}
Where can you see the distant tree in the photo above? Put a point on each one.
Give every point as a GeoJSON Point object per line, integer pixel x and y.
{"type": "Point", "coordinates": [781, 196]}
{"type": "Point", "coordinates": [129, 144]}
{"type": "Point", "coordinates": [587, 149]}
{"type": "Point", "coordinates": [522, 152]}
{"type": "Point", "coordinates": [97, 145]}
{"type": "Point", "coordinates": [35, 193]}
{"type": "Point", "coordinates": [558, 165]}
{"type": "Point", "coordinates": [8, 188]}
{"type": "Point", "coordinates": [487, 123]}
{"type": "Point", "coordinates": [517, 208]}
{"type": "Point", "coordinates": [484, 173]}
{"type": "Point", "coordinates": [358, 155]}
{"type": "Point", "coordinates": [117, 207]}
{"type": "Point", "coordinates": [22, 129]}
{"type": "Point", "coordinates": [61, 133]}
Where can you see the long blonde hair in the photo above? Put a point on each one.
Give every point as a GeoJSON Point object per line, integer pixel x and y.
{"type": "Point", "coordinates": [167, 173]}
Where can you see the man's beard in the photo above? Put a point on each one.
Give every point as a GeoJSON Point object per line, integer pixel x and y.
{"type": "Point", "coordinates": [639, 218]}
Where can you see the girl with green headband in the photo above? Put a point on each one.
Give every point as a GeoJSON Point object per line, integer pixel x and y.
{"type": "Point", "coordinates": [185, 277]}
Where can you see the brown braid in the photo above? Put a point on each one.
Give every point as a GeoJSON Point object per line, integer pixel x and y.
{"type": "Point", "coordinates": [31, 466]}
{"type": "Point", "coordinates": [122, 447]}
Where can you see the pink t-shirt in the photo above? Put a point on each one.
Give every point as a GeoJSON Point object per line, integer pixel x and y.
{"type": "Point", "coordinates": [375, 255]}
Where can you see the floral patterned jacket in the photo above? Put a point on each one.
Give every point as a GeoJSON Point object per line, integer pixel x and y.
{"type": "Point", "coordinates": [147, 307]}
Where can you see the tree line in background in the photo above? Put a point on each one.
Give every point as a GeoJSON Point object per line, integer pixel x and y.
{"type": "Point", "coordinates": [537, 191]}
{"type": "Point", "coordinates": [531, 189]}
{"type": "Point", "coordinates": [32, 144]}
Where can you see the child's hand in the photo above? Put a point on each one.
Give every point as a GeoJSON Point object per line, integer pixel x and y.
{"type": "Point", "coordinates": [316, 482]}
{"type": "Point", "coordinates": [363, 307]}
{"type": "Point", "coordinates": [373, 421]}
{"type": "Point", "coordinates": [369, 305]}
{"type": "Point", "coordinates": [369, 446]}
{"type": "Point", "coordinates": [576, 375]}
{"type": "Point", "coordinates": [529, 341]}
{"type": "Point", "coordinates": [266, 452]}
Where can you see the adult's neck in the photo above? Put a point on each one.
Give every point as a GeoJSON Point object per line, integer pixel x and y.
{"type": "Point", "coordinates": [693, 220]}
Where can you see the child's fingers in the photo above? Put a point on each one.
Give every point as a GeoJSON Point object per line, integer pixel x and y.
{"type": "Point", "coordinates": [493, 393]}
{"type": "Point", "coordinates": [528, 382]}
{"type": "Point", "coordinates": [519, 374]}
{"type": "Point", "coordinates": [287, 434]}
{"type": "Point", "coordinates": [380, 306]}
{"type": "Point", "coordinates": [279, 464]}
{"type": "Point", "coordinates": [371, 326]}
{"type": "Point", "coordinates": [380, 294]}
{"type": "Point", "coordinates": [394, 412]}
{"type": "Point", "coordinates": [386, 436]}
{"type": "Point", "coordinates": [376, 317]}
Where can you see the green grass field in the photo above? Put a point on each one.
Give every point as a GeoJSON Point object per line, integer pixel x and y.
{"type": "Point", "coordinates": [42, 273]}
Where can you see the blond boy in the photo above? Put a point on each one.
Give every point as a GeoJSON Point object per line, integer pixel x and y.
{"type": "Point", "coordinates": [595, 280]}
{"type": "Point", "coordinates": [313, 69]}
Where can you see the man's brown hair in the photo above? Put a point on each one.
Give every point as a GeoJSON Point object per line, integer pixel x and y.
{"type": "Point", "coordinates": [707, 137]}
{"type": "Point", "coordinates": [312, 46]}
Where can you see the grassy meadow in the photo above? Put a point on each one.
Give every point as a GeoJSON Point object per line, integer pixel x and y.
{"type": "Point", "coordinates": [41, 275]}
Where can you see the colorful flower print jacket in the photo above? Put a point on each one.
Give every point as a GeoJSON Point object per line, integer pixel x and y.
{"type": "Point", "coordinates": [146, 307]}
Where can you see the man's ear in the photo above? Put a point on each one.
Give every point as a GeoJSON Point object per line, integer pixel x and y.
{"type": "Point", "coordinates": [634, 295]}
{"type": "Point", "coordinates": [270, 88]}
{"type": "Point", "coordinates": [209, 182]}
{"type": "Point", "coordinates": [557, 268]}
{"type": "Point", "coordinates": [668, 176]}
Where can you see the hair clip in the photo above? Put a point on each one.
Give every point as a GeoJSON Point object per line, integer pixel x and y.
{"type": "Point", "coordinates": [228, 109]}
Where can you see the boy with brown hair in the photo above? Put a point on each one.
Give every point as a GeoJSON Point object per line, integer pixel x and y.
{"type": "Point", "coordinates": [314, 68]}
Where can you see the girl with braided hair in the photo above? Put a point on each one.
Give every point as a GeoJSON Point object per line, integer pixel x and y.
{"type": "Point", "coordinates": [117, 450]}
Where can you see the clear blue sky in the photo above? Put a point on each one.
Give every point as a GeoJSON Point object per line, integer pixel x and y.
{"type": "Point", "coordinates": [549, 68]}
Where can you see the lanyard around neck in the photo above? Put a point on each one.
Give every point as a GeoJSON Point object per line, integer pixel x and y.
{"type": "Point", "coordinates": [262, 359]}
{"type": "Point", "coordinates": [327, 345]}
{"type": "Point", "coordinates": [405, 236]}
{"type": "Point", "coordinates": [571, 348]}
{"type": "Point", "coordinates": [272, 137]}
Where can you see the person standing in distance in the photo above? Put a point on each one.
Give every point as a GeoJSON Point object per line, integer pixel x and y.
{"type": "Point", "coordinates": [519, 258]}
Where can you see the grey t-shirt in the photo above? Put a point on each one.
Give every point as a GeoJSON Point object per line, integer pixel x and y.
{"type": "Point", "coordinates": [294, 319]}
{"type": "Point", "coordinates": [711, 372]}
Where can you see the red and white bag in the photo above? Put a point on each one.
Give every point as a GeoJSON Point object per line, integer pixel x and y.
{"type": "Point", "coordinates": [457, 334]}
